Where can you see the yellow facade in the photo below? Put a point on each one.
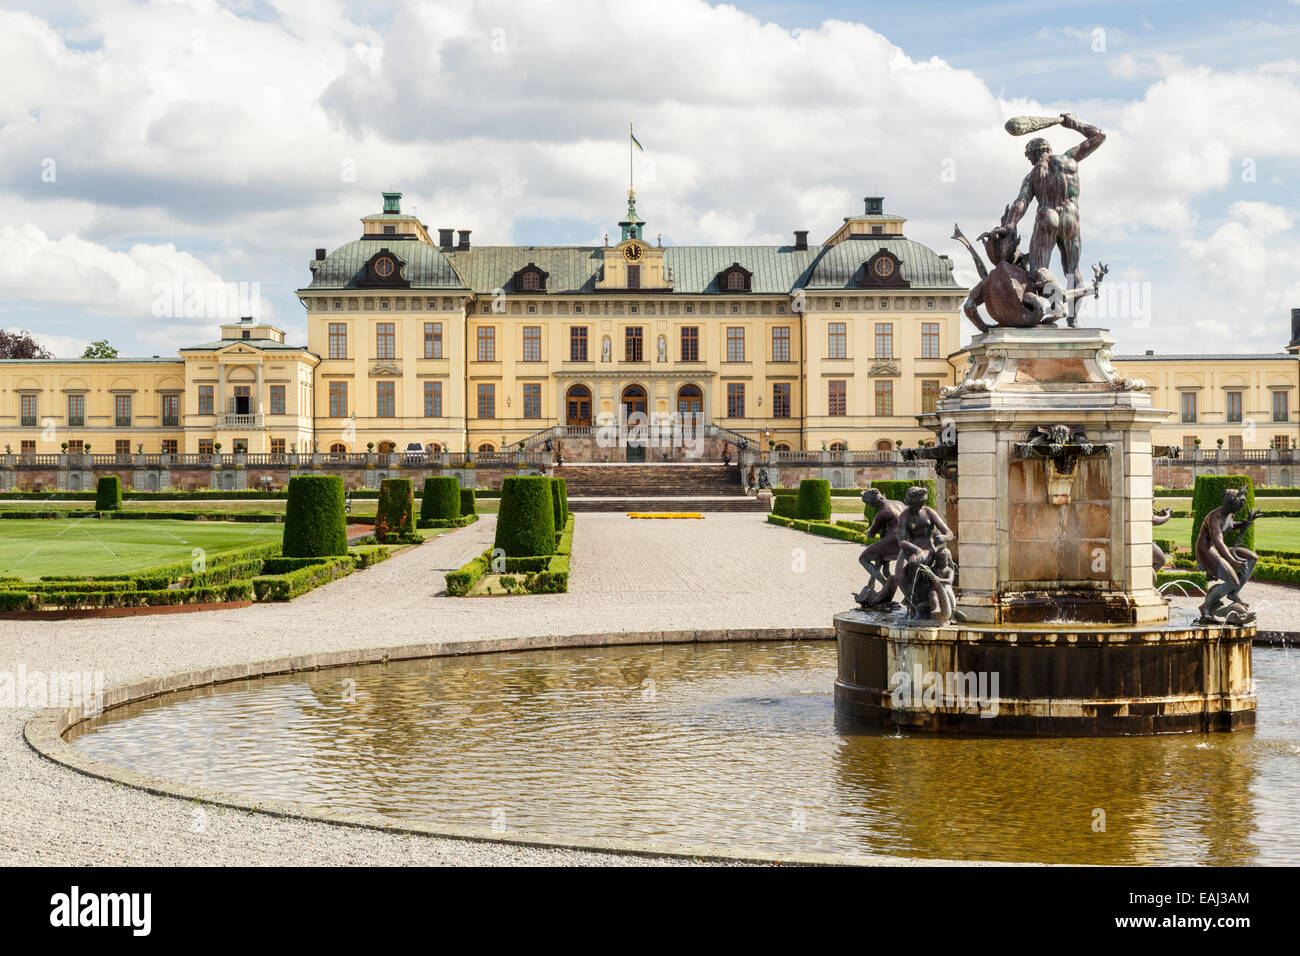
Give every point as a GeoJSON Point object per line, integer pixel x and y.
{"type": "Point", "coordinates": [1228, 402]}
{"type": "Point", "coordinates": [246, 391]}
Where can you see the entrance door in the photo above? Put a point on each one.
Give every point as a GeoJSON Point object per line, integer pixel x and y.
{"type": "Point", "coordinates": [635, 407]}
{"type": "Point", "coordinates": [577, 406]}
{"type": "Point", "coordinates": [243, 401]}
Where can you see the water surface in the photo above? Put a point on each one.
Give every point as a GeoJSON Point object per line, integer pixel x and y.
{"type": "Point", "coordinates": [735, 746]}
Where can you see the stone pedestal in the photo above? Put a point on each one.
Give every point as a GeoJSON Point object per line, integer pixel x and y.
{"type": "Point", "coordinates": [1049, 537]}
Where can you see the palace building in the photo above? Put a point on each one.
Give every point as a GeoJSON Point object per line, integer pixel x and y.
{"type": "Point", "coordinates": [416, 340]}
{"type": "Point", "coordinates": [475, 348]}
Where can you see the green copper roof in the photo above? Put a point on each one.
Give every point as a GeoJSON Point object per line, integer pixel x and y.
{"type": "Point", "coordinates": [488, 268]}
{"type": "Point", "coordinates": [776, 269]}
{"type": "Point", "coordinates": [426, 266]}
{"type": "Point", "coordinates": [841, 265]}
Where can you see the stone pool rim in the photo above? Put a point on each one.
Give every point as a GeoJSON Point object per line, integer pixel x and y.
{"type": "Point", "coordinates": [44, 733]}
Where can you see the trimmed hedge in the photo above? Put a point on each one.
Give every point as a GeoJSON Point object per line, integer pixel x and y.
{"type": "Point", "coordinates": [447, 522]}
{"type": "Point", "coordinates": [442, 499]}
{"type": "Point", "coordinates": [1208, 495]}
{"type": "Point", "coordinates": [557, 505]}
{"type": "Point", "coordinates": [826, 530]}
{"type": "Point", "coordinates": [564, 496]}
{"type": "Point", "coordinates": [395, 513]}
{"type": "Point", "coordinates": [28, 600]}
{"type": "Point", "coordinates": [468, 506]}
{"type": "Point", "coordinates": [465, 577]}
{"type": "Point", "coordinates": [526, 522]}
{"type": "Point", "coordinates": [287, 586]}
{"type": "Point", "coordinates": [786, 506]}
{"type": "Point", "coordinates": [815, 499]}
{"type": "Point", "coordinates": [542, 575]}
{"type": "Point", "coordinates": [108, 493]}
{"type": "Point", "coordinates": [314, 524]}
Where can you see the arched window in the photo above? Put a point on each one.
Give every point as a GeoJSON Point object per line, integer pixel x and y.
{"type": "Point", "coordinates": [338, 448]}
{"type": "Point", "coordinates": [884, 445]}
{"type": "Point", "coordinates": [782, 446]}
{"type": "Point", "coordinates": [530, 281]}
{"type": "Point", "coordinates": [486, 448]}
{"type": "Point", "coordinates": [837, 446]}
{"type": "Point", "coordinates": [433, 448]}
{"type": "Point", "coordinates": [386, 447]}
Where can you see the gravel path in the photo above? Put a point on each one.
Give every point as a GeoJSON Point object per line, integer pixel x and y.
{"type": "Point", "coordinates": [726, 571]}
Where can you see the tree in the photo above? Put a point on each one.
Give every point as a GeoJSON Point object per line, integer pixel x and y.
{"type": "Point", "coordinates": [19, 344]}
{"type": "Point", "coordinates": [100, 350]}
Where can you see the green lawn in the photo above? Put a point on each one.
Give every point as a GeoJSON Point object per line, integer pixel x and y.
{"type": "Point", "coordinates": [30, 548]}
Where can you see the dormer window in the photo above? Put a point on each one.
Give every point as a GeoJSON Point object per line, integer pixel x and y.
{"type": "Point", "coordinates": [531, 279]}
{"type": "Point", "coordinates": [384, 269]}
{"type": "Point", "coordinates": [883, 270]}
{"type": "Point", "coordinates": [735, 278]}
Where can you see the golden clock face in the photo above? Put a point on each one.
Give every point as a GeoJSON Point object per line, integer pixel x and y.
{"type": "Point", "coordinates": [633, 253]}
{"type": "Point", "coordinates": [884, 267]}
{"type": "Point", "coordinates": [384, 267]}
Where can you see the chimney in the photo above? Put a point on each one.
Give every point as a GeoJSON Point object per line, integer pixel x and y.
{"type": "Point", "coordinates": [875, 205]}
{"type": "Point", "coordinates": [320, 254]}
{"type": "Point", "coordinates": [444, 238]}
{"type": "Point", "coordinates": [464, 239]}
{"type": "Point", "coordinates": [801, 238]}
{"type": "Point", "coordinates": [1294, 344]}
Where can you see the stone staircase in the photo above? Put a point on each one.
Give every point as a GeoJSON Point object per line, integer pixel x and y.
{"type": "Point", "coordinates": [656, 487]}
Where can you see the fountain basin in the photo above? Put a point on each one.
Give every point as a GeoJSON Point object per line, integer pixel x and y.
{"type": "Point", "coordinates": [1067, 679]}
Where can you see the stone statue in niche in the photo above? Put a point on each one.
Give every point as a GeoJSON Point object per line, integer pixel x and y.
{"type": "Point", "coordinates": [1227, 567]}
{"type": "Point", "coordinates": [1158, 557]}
{"type": "Point", "coordinates": [604, 349]}
{"type": "Point", "coordinates": [876, 557]}
{"type": "Point", "coordinates": [663, 349]}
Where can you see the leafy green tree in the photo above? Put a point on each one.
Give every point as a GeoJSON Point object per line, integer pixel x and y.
{"type": "Point", "coordinates": [100, 350]}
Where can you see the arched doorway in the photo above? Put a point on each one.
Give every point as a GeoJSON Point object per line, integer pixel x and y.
{"type": "Point", "coordinates": [636, 405]}
{"type": "Point", "coordinates": [884, 445]}
{"type": "Point", "coordinates": [486, 448]}
{"type": "Point", "coordinates": [338, 448]}
{"type": "Point", "coordinates": [634, 400]}
{"type": "Point", "coordinates": [386, 447]}
{"type": "Point", "coordinates": [690, 401]}
{"type": "Point", "coordinates": [577, 406]}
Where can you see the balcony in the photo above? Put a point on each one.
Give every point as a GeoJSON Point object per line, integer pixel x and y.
{"type": "Point", "coordinates": [235, 420]}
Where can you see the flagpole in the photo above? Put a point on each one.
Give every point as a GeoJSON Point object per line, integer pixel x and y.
{"type": "Point", "coordinates": [630, 134]}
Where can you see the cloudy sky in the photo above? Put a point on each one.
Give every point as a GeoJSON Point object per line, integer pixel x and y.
{"type": "Point", "coordinates": [148, 143]}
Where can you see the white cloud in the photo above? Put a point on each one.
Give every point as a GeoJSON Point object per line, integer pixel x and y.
{"type": "Point", "coordinates": [186, 127]}
{"type": "Point", "coordinates": [70, 272]}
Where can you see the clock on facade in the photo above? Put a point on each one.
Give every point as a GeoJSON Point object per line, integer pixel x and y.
{"type": "Point", "coordinates": [384, 267]}
{"type": "Point", "coordinates": [633, 252]}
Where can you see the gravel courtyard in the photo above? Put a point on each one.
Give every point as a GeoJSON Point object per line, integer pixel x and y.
{"type": "Point", "coordinates": [726, 571]}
